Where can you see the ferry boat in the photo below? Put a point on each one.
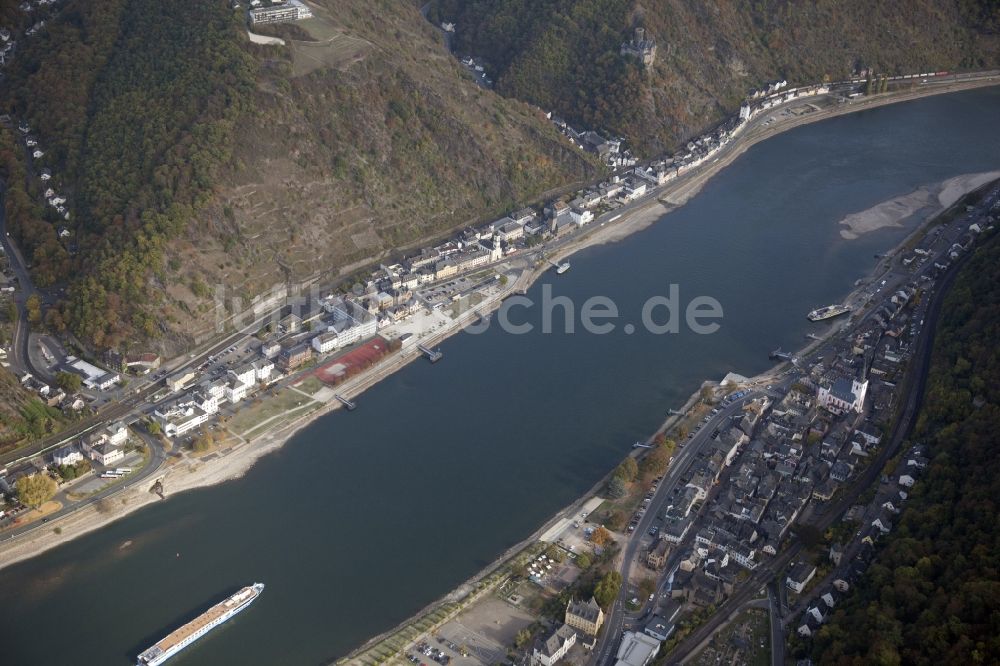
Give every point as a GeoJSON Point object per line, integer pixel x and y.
{"type": "Point", "coordinates": [187, 634]}
{"type": "Point", "coordinates": [562, 268]}
{"type": "Point", "coordinates": [826, 313]}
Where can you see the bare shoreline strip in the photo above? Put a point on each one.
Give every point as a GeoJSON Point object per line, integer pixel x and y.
{"type": "Point", "coordinates": [932, 198]}
{"type": "Point", "coordinates": [187, 476]}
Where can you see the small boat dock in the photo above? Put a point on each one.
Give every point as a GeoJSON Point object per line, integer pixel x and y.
{"type": "Point", "coordinates": [432, 355]}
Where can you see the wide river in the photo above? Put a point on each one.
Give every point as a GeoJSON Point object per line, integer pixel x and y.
{"type": "Point", "coordinates": [365, 517]}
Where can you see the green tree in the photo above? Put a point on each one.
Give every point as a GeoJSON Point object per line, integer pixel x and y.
{"type": "Point", "coordinates": [583, 561]}
{"type": "Point", "coordinates": [153, 427]}
{"type": "Point", "coordinates": [628, 470]}
{"type": "Point", "coordinates": [555, 553]}
{"type": "Point", "coordinates": [35, 490]}
{"type": "Point", "coordinates": [202, 442]}
{"type": "Point", "coordinates": [616, 521]}
{"type": "Point", "coordinates": [616, 487]}
{"type": "Point", "coordinates": [34, 308]}
{"type": "Point", "coordinates": [68, 381]}
{"type": "Point", "coordinates": [647, 586]}
{"type": "Point", "coordinates": [607, 589]}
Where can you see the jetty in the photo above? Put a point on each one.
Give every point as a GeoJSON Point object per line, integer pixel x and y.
{"type": "Point", "coordinates": [780, 355]}
{"type": "Point", "coordinates": [345, 402]}
{"type": "Point", "coordinates": [560, 268]}
{"type": "Point", "coordinates": [432, 355]}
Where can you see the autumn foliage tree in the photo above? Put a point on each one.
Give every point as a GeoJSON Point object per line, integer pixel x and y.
{"type": "Point", "coordinates": [601, 537]}
{"type": "Point", "coordinates": [628, 470]}
{"type": "Point", "coordinates": [656, 461]}
{"type": "Point", "coordinates": [35, 490]}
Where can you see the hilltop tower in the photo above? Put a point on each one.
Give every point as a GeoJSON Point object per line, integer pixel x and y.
{"type": "Point", "coordinates": [640, 47]}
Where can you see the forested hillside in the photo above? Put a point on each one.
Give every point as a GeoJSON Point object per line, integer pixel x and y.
{"type": "Point", "coordinates": [197, 162]}
{"type": "Point", "coordinates": [23, 417]}
{"type": "Point", "coordinates": [136, 103]}
{"type": "Point", "coordinates": [200, 166]}
{"type": "Point", "coordinates": [932, 595]}
{"type": "Point", "coordinates": [564, 55]}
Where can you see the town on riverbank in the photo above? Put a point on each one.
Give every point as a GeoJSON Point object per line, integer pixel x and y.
{"type": "Point", "coordinates": [747, 517]}
{"type": "Point", "coordinates": [205, 418]}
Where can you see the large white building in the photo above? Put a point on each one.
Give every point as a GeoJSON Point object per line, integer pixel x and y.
{"type": "Point", "coordinates": [107, 454]}
{"type": "Point", "coordinates": [236, 390]}
{"type": "Point", "coordinates": [637, 649]}
{"type": "Point", "coordinates": [581, 216]}
{"type": "Point", "coordinates": [554, 647]}
{"type": "Point", "coordinates": [94, 378]}
{"type": "Point", "coordinates": [186, 413]}
{"type": "Point", "coordinates": [264, 368]}
{"type": "Point", "coordinates": [351, 322]}
{"type": "Point", "coordinates": [117, 433]}
{"type": "Point", "coordinates": [293, 10]}
{"type": "Point", "coordinates": [68, 455]}
{"type": "Point", "coordinates": [843, 395]}
{"type": "Point", "coordinates": [245, 374]}
{"type": "Point", "coordinates": [325, 343]}
{"type": "Point", "coordinates": [100, 448]}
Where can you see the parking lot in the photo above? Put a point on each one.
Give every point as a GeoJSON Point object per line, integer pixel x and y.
{"type": "Point", "coordinates": [442, 294]}
{"type": "Point", "coordinates": [485, 631]}
{"type": "Point", "coordinates": [93, 482]}
{"type": "Point", "coordinates": [569, 531]}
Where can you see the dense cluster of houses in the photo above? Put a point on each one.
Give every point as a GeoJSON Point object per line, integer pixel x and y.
{"type": "Point", "coordinates": [192, 409]}
{"type": "Point", "coordinates": [52, 396]}
{"type": "Point", "coordinates": [342, 322]}
{"type": "Point", "coordinates": [757, 476]}
{"type": "Point", "coordinates": [850, 562]}
{"type": "Point", "coordinates": [774, 458]}
{"type": "Point", "coordinates": [106, 446]}
{"type": "Point", "coordinates": [760, 472]}
{"type": "Point", "coordinates": [610, 151]}
{"type": "Point", "coordinates": [392, 288]}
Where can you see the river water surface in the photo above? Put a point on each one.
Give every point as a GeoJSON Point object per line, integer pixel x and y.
{"type": "Point", "coordinates": [365, 517]}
